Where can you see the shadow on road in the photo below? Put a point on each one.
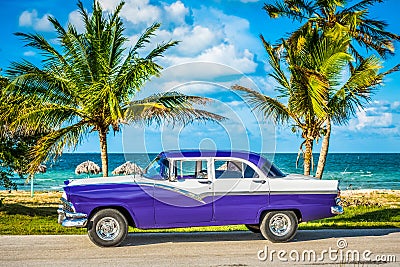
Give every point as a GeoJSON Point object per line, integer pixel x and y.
{"type": "Point", "coordinates": [138, 239]}
{"type": "Point", "coordinates": [308, 235]}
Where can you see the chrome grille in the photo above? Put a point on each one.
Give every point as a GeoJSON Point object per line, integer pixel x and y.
{"type": "Point", "coordinates": [67, 206]}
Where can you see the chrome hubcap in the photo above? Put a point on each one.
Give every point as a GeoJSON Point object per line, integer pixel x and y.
{"type": "Point", "coordinates": [280, 224]}
{"type": "Point", "coordinates": [107, 228]}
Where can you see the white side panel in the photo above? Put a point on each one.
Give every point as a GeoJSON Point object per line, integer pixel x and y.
{"type": "Point", "coordinates": [103, 180]}
{"type": "Point", "coordinates": [292, 184]}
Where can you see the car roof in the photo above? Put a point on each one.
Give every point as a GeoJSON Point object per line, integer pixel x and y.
{"type": "Point", "coordinates": [255, 158]}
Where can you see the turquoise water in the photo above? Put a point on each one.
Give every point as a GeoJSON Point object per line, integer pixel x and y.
{"type": "Point", "coordinates": [355, 171]}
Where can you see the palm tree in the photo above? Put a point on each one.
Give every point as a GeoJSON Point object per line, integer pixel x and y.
{"type": "Point", "coordinates": [334, 20]}
{"type": "Point", "coordinates": [316, 87]}
{"type": "Point", "coordinates": [312, 69]}
{"type": "Point", "coordinates": [352, 95]}
{"type": "Point", "coordinates": [86, 82]}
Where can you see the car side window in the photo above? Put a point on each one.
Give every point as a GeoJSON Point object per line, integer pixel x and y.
{"type": "Point", "coordinates": [228, 169]}
{"type": "Point", "coordinates": [190, 169]}
{"type": "Point", "coordinates": [249, 172]}
{"type": "Point", "coordinates": [233, 169]}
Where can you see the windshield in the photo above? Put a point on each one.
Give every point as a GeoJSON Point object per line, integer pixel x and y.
{"type": "Point", "coordinates": [271, 170]}
{"type": "Point", "coordinates": [157, 169]}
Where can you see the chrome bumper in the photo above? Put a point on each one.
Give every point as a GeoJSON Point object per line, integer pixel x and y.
{"type": "Point", "coordinates": [338, 209]}
{"type": "Point", "coordinates": [68, 218]}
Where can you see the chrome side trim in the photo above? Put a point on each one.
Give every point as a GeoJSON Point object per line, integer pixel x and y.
{"type": "Point", "coordinates": [333, 192]}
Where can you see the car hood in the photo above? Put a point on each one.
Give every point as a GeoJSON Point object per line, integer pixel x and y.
{"type": "Point", "coordinates": [294, 176]}
{"type": "Point", "coordinates": [102, 180]}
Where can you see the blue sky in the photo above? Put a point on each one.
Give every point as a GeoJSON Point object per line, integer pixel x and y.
{"type": "Point", "coordinates": [219, 47]}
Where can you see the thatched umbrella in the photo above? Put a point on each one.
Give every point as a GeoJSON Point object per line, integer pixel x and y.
{"type": "Point", "coordinates": [42, 168]}
{"type": "Point", "coordinates": [128, 168]}
{"type": "Point", "coordinates": [88, 167]}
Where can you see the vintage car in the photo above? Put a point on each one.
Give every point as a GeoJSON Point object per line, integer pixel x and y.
{"type": "Point", "coordinates": [198, 188]}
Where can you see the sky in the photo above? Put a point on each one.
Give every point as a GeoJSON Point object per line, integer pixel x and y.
{"type": "Point", "coordinates": [220, 47]}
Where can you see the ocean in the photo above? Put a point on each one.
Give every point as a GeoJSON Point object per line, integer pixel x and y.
{"type": "Point", "coordinates": [354, 170]}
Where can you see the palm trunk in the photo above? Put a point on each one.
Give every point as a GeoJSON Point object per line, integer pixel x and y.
{"type": "Point", "coordinates": [324, 150]}
{"type": "Point", "coordinates": [104, 155]}
{"type": "Point", "coordinates": [307, 156]}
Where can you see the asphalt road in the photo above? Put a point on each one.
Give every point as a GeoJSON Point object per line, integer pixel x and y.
{"type": "Point", "coordinates": [207, 249]}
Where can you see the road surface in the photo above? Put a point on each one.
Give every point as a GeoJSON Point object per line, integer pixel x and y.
{"type": "Point", "coordinates": [208, 249]}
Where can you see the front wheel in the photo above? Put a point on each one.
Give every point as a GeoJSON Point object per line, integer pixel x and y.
{"type": "Point", "coordinates": [108, 228]}
{"type": "Point", "coordinates": [279, 226]}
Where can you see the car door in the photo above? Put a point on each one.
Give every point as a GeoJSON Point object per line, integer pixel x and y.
{"type": "Point", "coordinates": [241, 190]}
{"type": "Point", "coordinates": [186, 196]}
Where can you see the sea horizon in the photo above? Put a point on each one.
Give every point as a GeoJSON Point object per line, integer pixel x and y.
{"type": "Point", "coordinates": [353, 170]}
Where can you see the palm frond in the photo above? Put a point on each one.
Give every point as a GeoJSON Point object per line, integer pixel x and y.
{"type": "Point", "coordinates": [146, 36]}
{"type": "Point", "coordinates": [278, 74]}
{"type": "Point", "coordinates": [293, 9]}
{"type": "Point", "coordinates": [160, 49]}
{"type": "Point", "coordinates": [51, 145]}
{"type": "Point", "coordinates": [269, 107]}
{"type": "Point", "coordinates": [357, 90]}
{"type": "Point", "coordinates": [171, 108]}
{"type": "Point", "coordinates": [362, 5]}
{"type": "Point", "coordinates": [49, 86]}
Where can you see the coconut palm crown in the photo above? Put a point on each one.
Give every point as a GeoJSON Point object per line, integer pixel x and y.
{"type": "Point", "coordinates": [336, 18]}
{"type": "Point", "coordinates": [86, 83]}
{"type": "Point", "coordinates": [312, 84]}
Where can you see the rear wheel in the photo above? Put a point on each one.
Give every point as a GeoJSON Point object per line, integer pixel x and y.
{"type": "Point", "coordinates": [108, 228]}
{"type": "Point", "coordinates": [255, 228]}
{"type": "Point", "coordinates": [279, 226]}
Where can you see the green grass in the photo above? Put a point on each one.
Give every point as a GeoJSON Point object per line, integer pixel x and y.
{"type": "Point", "coordinates": [360, 217]}
{"type": "Point", "coordinates": [22, 215]}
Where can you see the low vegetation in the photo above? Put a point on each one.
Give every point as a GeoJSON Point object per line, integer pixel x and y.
{"type": "Point", "coordinates": [21, 214]}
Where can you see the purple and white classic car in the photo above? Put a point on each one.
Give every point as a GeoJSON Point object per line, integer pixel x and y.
{"type": "Point", "coordinates": [198, 188]}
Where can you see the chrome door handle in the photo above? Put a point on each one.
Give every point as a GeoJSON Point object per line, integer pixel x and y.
{"type": "Point", "coordinates": [204, 181]}
{"type": "Point", "coordinates": [259, 181]}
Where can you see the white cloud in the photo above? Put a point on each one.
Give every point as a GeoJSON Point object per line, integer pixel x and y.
{"type": "Point", "coordinates": [194, 40]}
{"type": "Point", "coordinates": [374, 120]}
{"type": "Point", "coordinates": [395, 107]}
{"type": "Point", "coordinates": [31, 19]}
{"type": "Point", "coordinates": [211, 36]}
{"type": "Point", "coordinates": [176, 12]}
{"type": "Point", "coordinates": [225, 54]}
{"type": "Point", "coordinates": [25, 19]}
{"type": "Point", "coordinates": [75, 19]}
{"type": "Point", "coordinates": [233, 29]}
{"type": "Point", "coordinates": [135, 11]}
{"type": "Point", "coordinates": [377, 118]}
{"type": "Point", "coordinates": [207, 36]}
{"type": "Point", "coordinates": [29, 53]}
